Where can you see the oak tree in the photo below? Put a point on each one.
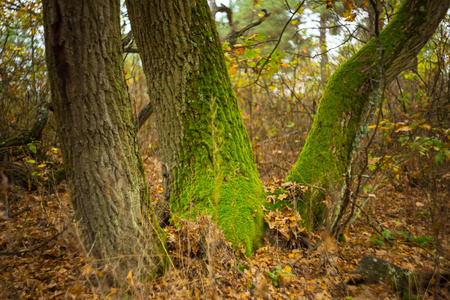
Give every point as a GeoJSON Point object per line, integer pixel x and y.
{"type": "Point", "coordinates": [208, 165]}
{"type": "Point", "coordinates": [96, 131]}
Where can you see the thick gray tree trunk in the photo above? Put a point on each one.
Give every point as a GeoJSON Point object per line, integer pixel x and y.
{"type": "Point", "coordinates": [96, 132]}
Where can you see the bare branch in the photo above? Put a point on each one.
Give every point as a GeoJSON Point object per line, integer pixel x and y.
{"type": "Point", "coordinates": [234, 35]}
{"type": "Point", "coordinates": [143, 115]}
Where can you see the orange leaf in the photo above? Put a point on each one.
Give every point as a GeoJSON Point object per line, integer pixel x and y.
{"type": "Point", "coordinates": [426, 126]}
{"type": "Point", "coordinates": [403, 128]}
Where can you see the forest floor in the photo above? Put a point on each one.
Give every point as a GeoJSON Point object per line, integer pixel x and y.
{"type": "Point", "coordinates": [41, 256]}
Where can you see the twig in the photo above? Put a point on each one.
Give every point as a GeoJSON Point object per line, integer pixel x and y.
{"type": "Point", "coordinates": [40, 245]}
{"type": "Point", "coordinates": [279, 41]}
{"type": "Point", "coordinates": [234, 35]}
{"type": "Point", "coordinates": [19, 212]}
{"type": "Point", "coordinates": [368, 220]}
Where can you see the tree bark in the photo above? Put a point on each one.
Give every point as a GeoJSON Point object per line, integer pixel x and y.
{"type": "Point", "coordinates": [208, 166]}
{"type": "Point", "coordinates": [328, 148]}
{"type": "Point", "coordinates": [97, 134]}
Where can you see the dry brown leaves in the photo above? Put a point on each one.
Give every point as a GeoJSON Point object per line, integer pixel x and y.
{"type": "Point", "coordinates": [294, 263]}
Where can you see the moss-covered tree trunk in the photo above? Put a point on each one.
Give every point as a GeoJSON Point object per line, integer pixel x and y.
{"type": "Point", "coordinates": [327, 151]}
{"type": "Point", "coordinates": [96, 132]}
{"type": "Point", "coordinates": [208, 166]}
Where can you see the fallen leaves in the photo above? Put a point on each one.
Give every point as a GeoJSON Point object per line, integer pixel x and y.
{"type": "Point", "coordinates": [293, 264]}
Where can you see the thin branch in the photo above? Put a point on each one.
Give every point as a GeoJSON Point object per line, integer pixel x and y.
{"type": "Point", "coordinates": [40, 245]}
{"type": "Point", "coordinates": [278, 42]}
{"type": "Point", "coordinates": [34, 134]}
{"type": "Point", "coordinates": [143, 115]}
{"type": "Point", "coordinates": [234, 35]}
{"type": "Point", "coordinates": [127, 40]}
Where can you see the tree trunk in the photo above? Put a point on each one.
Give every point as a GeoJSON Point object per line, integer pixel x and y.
{"type": "Point", "coordinates": [208, 166]}
{"type": "Point", "coordinates": [328, 148]}
{"type": "Point", "coordinates": [97, 134]}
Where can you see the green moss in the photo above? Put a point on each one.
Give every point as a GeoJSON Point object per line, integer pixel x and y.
{"type": "Point", "coordinates": [216, 174]}
{"type": "Point", "coordinates": [327, 151]}
{"type": "Point", "coordinates": [324, 158]}
{"type": "Point", "coordinates": [279, 204]}
{"type": "Point", "coordinates": [234, 202]}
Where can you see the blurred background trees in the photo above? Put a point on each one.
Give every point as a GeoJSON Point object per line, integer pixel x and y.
{"type": "Point", "coordinates": [23, 85]}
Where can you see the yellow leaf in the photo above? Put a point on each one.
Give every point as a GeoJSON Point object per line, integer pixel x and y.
{"type": "Point", "coordinates": [403, 128]}
{"type": "Point", "coordinates": [130, 278]}
{"type": "Point", "coordinates": [232, 70]}
{"type": "Point", "coordinates": [374, 160]}
{"type": "Point", "coordinates": [349, 16]}
{"type": "Point", "coordinates": [426, 126]}
{"type": "Point", "coordinates": [87, 270]}
{"type": "Point", "coordinates": [377, 127]}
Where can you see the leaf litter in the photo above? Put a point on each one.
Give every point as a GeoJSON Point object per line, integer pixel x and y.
{"type": "Point", "coordinates": [41, 256]}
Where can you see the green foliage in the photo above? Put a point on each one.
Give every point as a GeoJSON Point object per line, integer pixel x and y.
{"type": "Point", "coordinates": [32, 147]}
{"type": "Point", "coordinates": [241, 267]}
{"type": "Point", "coordinates": [277, 274]}
{"type": "Point", "coordinates": [380, 240]}
{"type": "Point", "coordinates": [415, 136]}
{"type": "Point", "coordinates": [434, 146]}
{"type": "Point", "coordinates": [249, 56]}
{"type": "Point", "coordinates": [377, 241]}
{"type": "Point", "coordinates": [420, 240]}
{"type": "Point", "coordinates": [23, 84]}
